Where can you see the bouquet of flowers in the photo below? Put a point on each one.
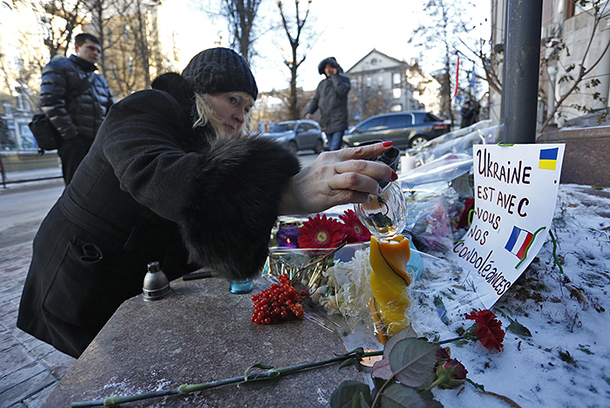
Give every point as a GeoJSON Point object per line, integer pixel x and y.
{"type": "Point", "coordinates": [321, 231]}
{"type": "Point", "coordinates": [322, 243]}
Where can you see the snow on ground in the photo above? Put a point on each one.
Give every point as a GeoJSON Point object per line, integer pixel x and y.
{"type": "Point", "coordinates": [566, 361]}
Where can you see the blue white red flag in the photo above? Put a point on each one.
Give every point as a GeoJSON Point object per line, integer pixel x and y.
{"type": "Point", "coordinates": [518, 242]}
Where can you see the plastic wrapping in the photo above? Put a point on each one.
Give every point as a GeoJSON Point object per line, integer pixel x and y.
{"type": "Point", "coordinates": [437, 293]}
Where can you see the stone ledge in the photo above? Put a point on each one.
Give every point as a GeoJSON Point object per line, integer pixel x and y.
{"type": "Point", "coordinates": [586, 155]}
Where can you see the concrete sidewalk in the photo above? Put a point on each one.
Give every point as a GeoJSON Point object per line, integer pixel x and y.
{"type": "Point", "coordinates": [14, 177]}
{"type": "Point", "coordinates": [29, 368]}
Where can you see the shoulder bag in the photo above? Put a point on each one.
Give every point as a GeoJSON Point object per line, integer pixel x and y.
{"type": "Point", "coordinates": [44, 132]}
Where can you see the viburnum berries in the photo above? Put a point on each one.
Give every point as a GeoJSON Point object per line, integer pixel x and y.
{"type": "Point", "coordinates": [280, 302]}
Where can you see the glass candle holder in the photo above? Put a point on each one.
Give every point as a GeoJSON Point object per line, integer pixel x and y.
{"type": "Point", "coordinates": [242, 286]}
{"type": "Point", "coordinates": [385, 215]}
{"type": "Point", "coordinates": [288, 233]}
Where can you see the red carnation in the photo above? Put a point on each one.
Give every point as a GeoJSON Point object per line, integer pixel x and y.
{"type": "Point", "coordinates": [321, 232]}
{"type": "Point", "coordinates": [356, 232]}
{"type": "Point", "coordinates": [487, 328]}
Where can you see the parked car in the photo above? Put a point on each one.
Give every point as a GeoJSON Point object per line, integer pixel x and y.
{"type": "Point", "coordinates": [405, 129]}
{"type": "Point", "coordinates": [299, 135]}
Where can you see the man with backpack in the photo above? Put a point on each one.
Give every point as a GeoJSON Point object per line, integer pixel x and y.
{"type": "Point", "coordinates": [76, 100]}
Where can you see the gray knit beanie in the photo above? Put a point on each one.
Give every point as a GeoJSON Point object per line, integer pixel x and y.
{"type": "Point", "coordinates": [218, 70]}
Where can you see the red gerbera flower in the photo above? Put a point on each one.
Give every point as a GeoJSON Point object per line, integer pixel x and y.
{"type": "Point", "coordinates": [321, 232]}
{"type": "Point", "coordinates": [489, 330]}
{"type": "Point", "coordinates": [356, 232]}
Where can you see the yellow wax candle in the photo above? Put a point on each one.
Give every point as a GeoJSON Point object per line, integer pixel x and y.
{"type": "Point", "coordinates": [389, 281]}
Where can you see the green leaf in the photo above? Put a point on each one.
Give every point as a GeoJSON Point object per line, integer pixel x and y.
{"type": "Point", "coordinates": [476, 385]}
{"type": "Point", "coordinates": [259, 382]}
{"type": "Point", "coordinates": [584, 349]}
{"type": "Point", "coordinates": [349, 362]}
{"type": "Point", "coordinates": [351, 394]}
{"type": "Point", "coordinates": [405, 333]}
{"type": "Point", "coordinates": [400, 396]}
{"type": "Point", "coordinates": [412, 361]}
{"type": "Point", "coordinates": [381, 369]}
{"type": "Point", "coordinates": [518, 329]}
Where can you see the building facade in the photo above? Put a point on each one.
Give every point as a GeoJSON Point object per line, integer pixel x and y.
{"type": "Point", "coordinates": [574, 36]}
{"type": "Point", "coordinates": [380, 84]}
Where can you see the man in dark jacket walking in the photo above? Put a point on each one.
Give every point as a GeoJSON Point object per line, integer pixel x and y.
{"type": "Point", "coordinates": [331, 99]}
{"type": "Point", "coordinates": [76, 101]}
{"type": "Point", "coordinates": [470, 113]}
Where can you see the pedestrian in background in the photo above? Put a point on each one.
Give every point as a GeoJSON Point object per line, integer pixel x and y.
{"type": "Point", "coordinates": [470, 113]}
{"type": "Point", "coordinates": [331, 99]}
{"type": "Point", "coordinates": [173, 177]}
{"type": "Point", "coordinates": [76, 101]}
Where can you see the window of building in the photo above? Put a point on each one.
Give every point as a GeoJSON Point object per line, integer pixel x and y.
{"type": "Point", "coordinates": [397, 107]}
{"type": "Point", "coordinates": [126, 33]}
{"type": "Point", "coordinates": [380, 81]}
{"type": "Point", "coordinates": [22, 99]}
{"type": "Point", "coordinates": [574, 7]}
{"type": "Point", "coordinates": [369, 81]}
{"type": "Point", "coordinates": [396, 78]}
{"type": "Point", "coordinates": [130, 66]}
{"type": "Point", "coordinates": [397, 93]}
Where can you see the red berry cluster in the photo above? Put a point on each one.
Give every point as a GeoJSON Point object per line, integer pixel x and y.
{"type": "Point", "coordinates": [280, 302]}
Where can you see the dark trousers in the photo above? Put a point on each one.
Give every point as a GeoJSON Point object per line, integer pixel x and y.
{"type": "Point", "coordinates": [72, 152]}
{"type": "Point", "coordinates": [336, 139]}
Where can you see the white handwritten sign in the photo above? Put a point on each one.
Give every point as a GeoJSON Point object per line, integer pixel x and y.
{"type": "Point", "coordinates": [515, 195]}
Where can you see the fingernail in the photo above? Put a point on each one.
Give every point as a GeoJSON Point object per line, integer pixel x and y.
{"type": "Point", "coordinates": [386, 144]}
{"type": "Point", "coordinates": [379, 190]}
{"type": "Point", "coordinates": [394, 176]}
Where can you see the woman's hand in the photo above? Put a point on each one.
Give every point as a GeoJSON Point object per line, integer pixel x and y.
{"type": "Point", "coordinates": [338, 177]}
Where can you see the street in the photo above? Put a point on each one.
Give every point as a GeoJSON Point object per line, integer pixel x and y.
{"type": "Point", "coordinates": [23, 206]}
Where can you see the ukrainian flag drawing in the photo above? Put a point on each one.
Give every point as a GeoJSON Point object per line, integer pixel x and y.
{"type": "Point", "coordinates": [548, 158]}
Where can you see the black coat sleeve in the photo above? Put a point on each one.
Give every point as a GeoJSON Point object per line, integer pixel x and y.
{"type": "Point", "coordinates": [224, 197]}
{"type": "Point", "coordinates": [231, 211]}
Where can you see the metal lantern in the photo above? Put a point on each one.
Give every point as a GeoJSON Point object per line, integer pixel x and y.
{"type": "Point", "coordinates": [156, 286]}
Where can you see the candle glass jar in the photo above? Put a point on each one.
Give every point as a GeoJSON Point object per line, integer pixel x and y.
{"type": "Point", "coordinates": [385, 215]}
{"type": "Point", "coordinates": [288, 232]}
{"type": "Point", "coordinates": [242, 286]}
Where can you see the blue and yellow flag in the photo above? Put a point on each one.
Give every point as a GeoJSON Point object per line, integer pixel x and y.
{"type": "Point", "coordinates": [548, 158]}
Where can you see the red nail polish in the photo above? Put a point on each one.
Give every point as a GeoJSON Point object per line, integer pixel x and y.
{"type": "Point", "coordinates": [386, 144]}
{"type": "Point", "coordinates": [394, 176]}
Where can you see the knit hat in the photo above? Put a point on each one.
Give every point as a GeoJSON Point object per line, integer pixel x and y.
{"type": "Point", "coordinates": [329, 61]}
{"type": "Point", "coordinates": [218, 70]}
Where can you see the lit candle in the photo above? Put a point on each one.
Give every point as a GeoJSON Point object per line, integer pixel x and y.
{"type": "Point", "coordinates": [288, 233]}
{"type": "Point", "coordinates": [407, 162]}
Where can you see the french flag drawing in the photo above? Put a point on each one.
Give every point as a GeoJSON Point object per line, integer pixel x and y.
{"type": "Point", "coordinates": [519, 241]}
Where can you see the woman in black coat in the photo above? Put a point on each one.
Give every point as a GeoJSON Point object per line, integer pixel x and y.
{"type": "Point", "coordinates": [172, 177]}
